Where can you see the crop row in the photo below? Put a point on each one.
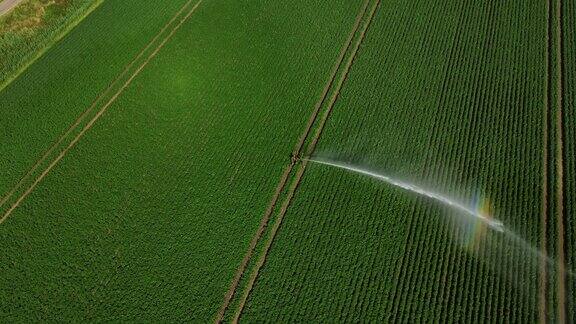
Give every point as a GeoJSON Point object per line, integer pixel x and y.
{"type": "Point", "coordinates": [569, 99]}
{"type": "Point", "coordinates": [451, 98]}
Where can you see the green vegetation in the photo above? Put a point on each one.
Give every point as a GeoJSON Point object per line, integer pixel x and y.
{"type": "Point", "coordinates": [31, 27]}
{"type": "Point", "coordinates": [139, 154]}
{"type": "Point", "coordinates": [569, 55]}
{"type": "Point", "coordinates": [76, 71]}
{"type": "Point", "coordinates": [152, 224]}
{"type": "Point", "coordinates": [451, 107]}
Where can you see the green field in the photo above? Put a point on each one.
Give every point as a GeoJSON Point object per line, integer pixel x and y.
{"type": "Point", "coordinates": [155, 163]}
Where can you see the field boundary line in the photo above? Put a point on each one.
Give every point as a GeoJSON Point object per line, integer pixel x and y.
{"type": "Point", "coordinates": [328, 86]}
{"type": "Point", "coordinates": [45, 49]}
{"type": "Point", "coordinates": [302, 168]}
{"type": "Point", "coordinates": [561, 289]}
{"type": "Point", "coordinates": [288, 170]}
{"type": "Point", "coordinates": [94, 104]}
{"type": "Point", "coordinates": [99, 114]}
{"type": "Point", "coordinates": [543, 280]}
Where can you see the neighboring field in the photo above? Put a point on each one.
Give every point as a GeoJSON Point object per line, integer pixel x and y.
{"type": "Point", "coordinates": [28, 29]}
{"type": "Point", "coordinates": [148, 216]}
{"type": "Point", "coordinates": [452, 98]}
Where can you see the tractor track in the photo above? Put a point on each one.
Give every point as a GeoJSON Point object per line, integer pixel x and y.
{"type": "Point", "coordinates": [240, 272]}
{"type": "Point", "coordinates": [302, 168]}
{"type": "Point", "coordinates": [561, 286]}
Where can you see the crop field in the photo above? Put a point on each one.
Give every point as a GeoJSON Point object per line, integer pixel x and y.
{"type": "Point", "coordinates": [292, 161]}
{"type": "Point", "coordinates": [472, 121]}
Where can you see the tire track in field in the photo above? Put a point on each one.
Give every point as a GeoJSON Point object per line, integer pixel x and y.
{"type": "Point", "coordinates": [561, 288]}
{"type": "Point", "coordinates": [288, 170]}
{"type": "Point", "coordinates": [302, 168]}
{"type": "Point", "coordinates": [543, 280]}
{"type": "Point", "coordinates": [92, 106]}
{"type": "Point", "coordinates": [99, 114]}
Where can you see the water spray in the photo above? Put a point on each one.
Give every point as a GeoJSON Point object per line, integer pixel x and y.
{"type": "Point", "coordinates": [482, 216]}
{"type": "Point", "coordinates": [504, 251]}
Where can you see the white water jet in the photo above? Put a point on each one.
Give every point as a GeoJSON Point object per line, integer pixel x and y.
{"type": "Point", "coordinates": [504, 252]}
{"type": "Point", "coordinates": [492, 223]}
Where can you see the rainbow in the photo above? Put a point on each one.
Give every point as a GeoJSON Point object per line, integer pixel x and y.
{"type": "Point", "coordinates": [478, 228]}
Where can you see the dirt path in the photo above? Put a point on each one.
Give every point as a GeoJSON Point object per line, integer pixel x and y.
{"type": "Point", "coordinates": [240, 272]}
{"type": "Point", "coordinates": [94, 104]}
{"type": "Point", "coordinates": [8, 5]}
{"type": "Point", "coordinates": [302, 169]}
{"type": "Point", "coordinates": [561, 291]}
{"type": "Point", "coordinates": [99, 114]}
{"type": "Point", "coordinates": [543, 280]}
